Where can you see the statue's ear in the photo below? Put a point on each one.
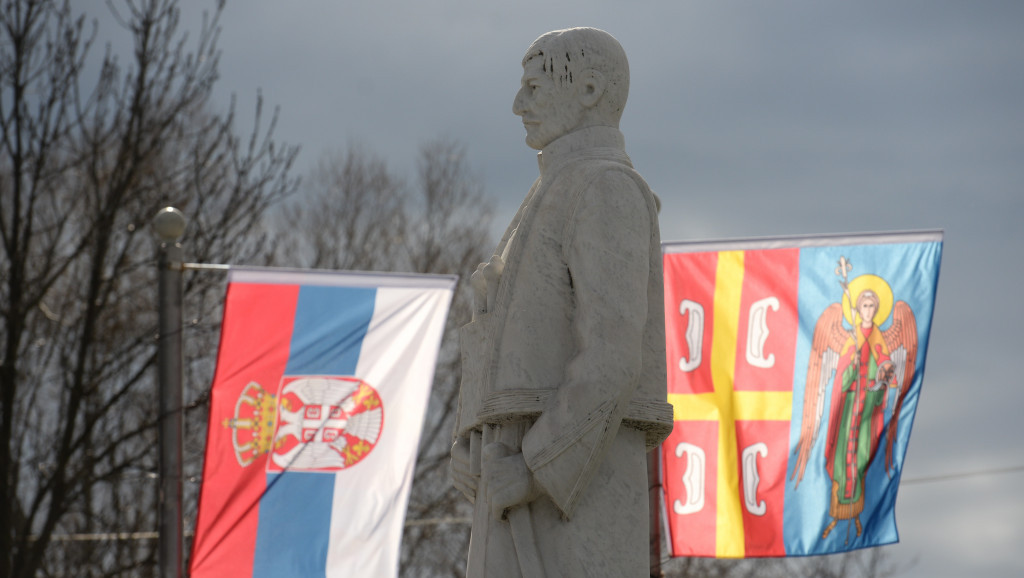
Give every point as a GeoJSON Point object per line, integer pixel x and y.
{"type": "Point", "coordinates": [591, 87]}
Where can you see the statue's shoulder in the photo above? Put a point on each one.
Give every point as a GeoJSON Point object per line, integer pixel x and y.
{"type": "Point", "coordinates": [608, 195]}
{"type": "Point", "coordinates": [611, 180]}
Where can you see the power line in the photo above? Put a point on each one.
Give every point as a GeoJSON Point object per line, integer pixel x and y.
{"type": "Point", "coordinates": [104, 536]}
{"type": "Point", "coordinates": [961, 475]}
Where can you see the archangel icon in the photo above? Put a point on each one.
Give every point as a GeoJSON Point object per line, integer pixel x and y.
{"type": "Point", "coordinates": [864, 367]}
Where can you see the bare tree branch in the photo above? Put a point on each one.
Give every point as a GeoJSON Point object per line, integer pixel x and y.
{"type": "Point", "coordinates": [85, 164]}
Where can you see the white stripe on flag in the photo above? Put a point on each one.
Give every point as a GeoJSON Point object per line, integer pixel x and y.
{"type": "Point", "coordinates": [398, 357]}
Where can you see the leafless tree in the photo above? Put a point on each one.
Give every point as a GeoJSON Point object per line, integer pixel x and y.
{"type": "Point", "coordinates": [85, 165]}
{"type": "Point", "coordinates": [352, 216]}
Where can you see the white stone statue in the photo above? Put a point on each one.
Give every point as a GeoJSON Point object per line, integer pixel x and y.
{"type": "Point", "coordinates": [563, 384]}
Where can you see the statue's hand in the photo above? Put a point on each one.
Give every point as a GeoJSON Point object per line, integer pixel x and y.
{"type": "Point", "coordinates": [461, 470]}
{"type": "Point", "coordinates": [479, 284]}
{"type": "Point", "coordinates": [492, 273]}
{"type": "Point", "coordinates": [485, 285]}
{"type": "Point", "coordinates": [509, 481]}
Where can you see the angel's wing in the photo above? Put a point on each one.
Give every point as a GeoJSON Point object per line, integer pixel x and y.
{"type": "Point", "coordinates": [829, 337]}
{"type": "Point", "coordinates": [901, 338]}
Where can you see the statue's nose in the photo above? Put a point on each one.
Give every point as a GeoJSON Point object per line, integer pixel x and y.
{"type": "Point", "coordinates": [518, 108]}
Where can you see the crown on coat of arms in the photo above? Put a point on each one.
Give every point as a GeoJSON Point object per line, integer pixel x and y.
{"type": "Point", "coordinates": [254, 422]}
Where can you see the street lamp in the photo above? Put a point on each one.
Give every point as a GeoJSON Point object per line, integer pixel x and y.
{"type": "Point", "coordinates": [169, 226]}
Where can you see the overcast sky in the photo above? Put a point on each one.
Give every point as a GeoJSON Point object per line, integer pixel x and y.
{"type": "Point", "coordinates": [748, 119]}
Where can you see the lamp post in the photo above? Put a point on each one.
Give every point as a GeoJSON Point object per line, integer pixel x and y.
{"type": "Point", "coordinates": [169, 225]}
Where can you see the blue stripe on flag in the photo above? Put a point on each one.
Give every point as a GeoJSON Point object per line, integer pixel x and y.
{"type": "Point", "coordinates": [330, 323]}
{"type": "Point", "coordinates": [295, 526]}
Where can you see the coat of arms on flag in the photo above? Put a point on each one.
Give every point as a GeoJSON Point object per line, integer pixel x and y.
{"type": "Point", "coordinates": [794, 369]}
{"type": "Point", "coordinates": [315, 423]}
{"type": "Point", "coordinates": [315, 415]}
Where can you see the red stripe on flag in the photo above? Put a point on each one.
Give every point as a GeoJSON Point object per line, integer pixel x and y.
{"type": "Point", "coordinates": [254, 348]}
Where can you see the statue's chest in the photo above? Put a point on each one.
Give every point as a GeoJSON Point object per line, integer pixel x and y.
{"type": "Point", "coordinates": [540, 243]}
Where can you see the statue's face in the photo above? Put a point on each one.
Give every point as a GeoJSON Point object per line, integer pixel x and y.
{"type": "Point", "coordinates": [548, 110]}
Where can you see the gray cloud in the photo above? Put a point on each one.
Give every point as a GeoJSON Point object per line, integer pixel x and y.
{"type": "Point", "coordinates": [749, 119]}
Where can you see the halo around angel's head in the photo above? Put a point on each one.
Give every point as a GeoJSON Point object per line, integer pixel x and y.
{"type": "Point", "coordinates": [880, 288]}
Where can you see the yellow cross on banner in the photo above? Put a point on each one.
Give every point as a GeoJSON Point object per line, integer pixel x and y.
{"type": "Point", "coordinates": [727, 406]}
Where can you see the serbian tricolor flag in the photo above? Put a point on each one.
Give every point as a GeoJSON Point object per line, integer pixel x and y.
{"type": "Point", "coordinates": [794, 369]}
{"type": "Point", "coordinates": [316, 409]}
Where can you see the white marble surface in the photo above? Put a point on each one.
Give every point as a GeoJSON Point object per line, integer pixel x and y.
{"type": "Point", "coordinates": [563, 386]}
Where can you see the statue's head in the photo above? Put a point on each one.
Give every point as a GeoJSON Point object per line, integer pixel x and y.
{"type": "Point", "coordinates": [572, 79]}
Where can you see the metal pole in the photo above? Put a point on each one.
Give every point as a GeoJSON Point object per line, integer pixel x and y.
{"type": "Point", "coordinates": [169, 225]}
{"type": "Point", "coordinates": [654, 503]}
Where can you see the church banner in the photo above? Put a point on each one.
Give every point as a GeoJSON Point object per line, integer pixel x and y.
{"type": "Point", "coordinates": [794, 369]}
{"type": "Point", "coordinates": [316, 409]}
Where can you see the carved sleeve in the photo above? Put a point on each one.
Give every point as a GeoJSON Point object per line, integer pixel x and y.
{"type": "Point", "coordinates": [606, 251]}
